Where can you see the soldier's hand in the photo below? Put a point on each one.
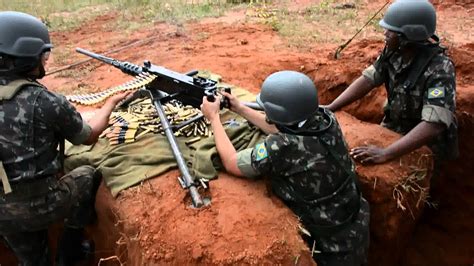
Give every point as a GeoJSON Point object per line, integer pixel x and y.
{"type": "Point", "coordinates": [234, 103]}
{"type": "Point", "coordinates": [211, 109]}
{"type": "Point", "coordinates": [369, 154]}
{"type": "Point", "coordinates": [114, 99]}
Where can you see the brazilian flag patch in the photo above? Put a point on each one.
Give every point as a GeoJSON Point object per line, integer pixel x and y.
{"type": "Point", "coordinates": [261, 151]}
{"type": "Point", "coordinates": [435, 93]}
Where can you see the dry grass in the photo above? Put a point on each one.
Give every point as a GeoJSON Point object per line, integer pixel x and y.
{"type": "Point", "coordinates": [111, 258]}
{"type": "Point", "coordinates": [409, 187]}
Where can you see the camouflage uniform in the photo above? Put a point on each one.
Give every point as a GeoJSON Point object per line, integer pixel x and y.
{"type": "Point", "coordinates": [430, 99]}
{"type": "Point", "coordinates": [33, 121]}
{"type": "Point", "coordinates": [314, 175]}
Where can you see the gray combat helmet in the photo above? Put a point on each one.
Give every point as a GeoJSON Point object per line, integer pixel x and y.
{"type": "Point", "coordinates": [415, 19]}
{"type": "Point", "coordinates": [22, 35]}
{"type": "Point", "coordinates": [288, 97]}
{"type": "Point", "coordinates": [23, 38]}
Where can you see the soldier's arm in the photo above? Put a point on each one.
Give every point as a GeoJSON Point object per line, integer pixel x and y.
{"type": "Point", "coordinates": [371, 78]}
{"type": "Point", "coordinates": [224, 146]}
{"type": "Point", "coordinates": [437, 115]}
{"type": "Point", "coordinates": [255, 117]}
{"type": "Point", "coordinates": [62, 117]}
{"type": "Point", "coordinates": [358, 89]}
{"type": "Point", "coordinates": [100, 121]}
{"type": "Point", "coordinates": [439, 101]}
{"type": "Point", "coordinates": [245, 163]}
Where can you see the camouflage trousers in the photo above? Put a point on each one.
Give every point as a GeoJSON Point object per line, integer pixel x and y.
{"type": "Point", "coordinates": [26, 213]}
{"type": "Point", "coordinates": [349, 247]}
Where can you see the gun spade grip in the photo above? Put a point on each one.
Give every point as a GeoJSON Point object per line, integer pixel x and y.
{"type": "Point", "coordinates": [211, 98]}
{"type": "Point", "coordinates": [225, 101]}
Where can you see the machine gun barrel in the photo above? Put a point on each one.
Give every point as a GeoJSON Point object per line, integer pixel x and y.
{"type": "Point", "coordinates": [185, 88]}
{"type": "Point", "coordinates": [125, 67]}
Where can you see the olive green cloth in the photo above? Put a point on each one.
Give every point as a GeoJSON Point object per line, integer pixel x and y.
{"type": "Point", "coordinates": [128, 164]}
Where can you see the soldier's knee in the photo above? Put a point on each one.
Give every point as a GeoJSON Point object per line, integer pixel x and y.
{"type": "Point", "coordinates": [87, 178]}
{"type": "Point", "coordinates": [84, 170]}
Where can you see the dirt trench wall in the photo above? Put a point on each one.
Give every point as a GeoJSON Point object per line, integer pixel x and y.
{"type": "Point", "coordinates": [395, 190]}
{"type": "Point", "coordinates": [333, 76]}
{"type": "Point", "coordinates": [449, 3]}
{"type": "Point", "coordinates": [445, 235]}
{"type": "Point", "coordinates": [447, 231]}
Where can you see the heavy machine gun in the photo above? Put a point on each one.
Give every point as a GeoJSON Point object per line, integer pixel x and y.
{"type": "Point", "coordinates": [167, 85]}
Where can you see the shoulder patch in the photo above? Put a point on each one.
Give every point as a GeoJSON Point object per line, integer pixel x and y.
{"type": "Point", "coordinates": [261, 151]}
{"type": "Point", "coordinates": [435, 93]}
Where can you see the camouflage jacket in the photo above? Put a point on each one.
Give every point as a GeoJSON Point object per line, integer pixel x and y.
{"type": "Point", "coordinates": [33, 121]}
{"type": "Point", "coordinates": [431, 98]}
{"type": "Point", "coordinates": [313, 174]}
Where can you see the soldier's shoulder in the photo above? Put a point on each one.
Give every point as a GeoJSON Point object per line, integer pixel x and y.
{"type": "Point", "coordinates": [32, 86]}
{"type": "Point", "coordinates": [330, 114]}
{"type": "Point", "coordinates": [277, 140]}
{"type": "Point", "coordinates": [27, 89]}
{"type": "Point", "coordinates": [51, 96]}
{"type": "Point", "coordinates": [441, 65]}
{"type": "Point", "coordinates": [442, 59]}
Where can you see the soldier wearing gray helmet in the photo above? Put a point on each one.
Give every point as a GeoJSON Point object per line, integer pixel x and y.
{"type": "Point", "coordinates": [307, 163]}
{"type": "Point", "coordinates": [34, 122]}
{"type": "Point", "coordinates": [420, 82]}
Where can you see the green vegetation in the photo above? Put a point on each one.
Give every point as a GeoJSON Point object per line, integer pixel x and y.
{"type": "Point", "coordinates": [58, 14]}
{"type": "Point", "coordinates": [328, 21]}
{"type": "Point", "coordinates": [69, 14]}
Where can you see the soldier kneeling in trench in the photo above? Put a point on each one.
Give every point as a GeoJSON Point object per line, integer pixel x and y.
{"type": "Point", "coordinates": [307, 162]}
{"type": "Point", "coordinates": [33, 123]}
{"type": "Point", "coordinates": [420, 82]}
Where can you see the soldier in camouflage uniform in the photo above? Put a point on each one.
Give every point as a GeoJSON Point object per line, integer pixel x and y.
{"type": "Point", "coordinates": [307, 162]}
{"type": "Point", "coordinates": [33, 123]}
{"type": "Point", "coordinates": [420, 82]}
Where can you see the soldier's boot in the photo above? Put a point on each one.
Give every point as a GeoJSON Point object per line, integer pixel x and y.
{"type": "Point", "coordinates": [73, 248]}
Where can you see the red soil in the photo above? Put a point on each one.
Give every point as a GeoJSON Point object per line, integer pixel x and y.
{"type": "Point", "coordinates": [149, 224]}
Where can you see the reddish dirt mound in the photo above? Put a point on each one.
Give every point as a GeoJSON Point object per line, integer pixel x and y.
{"type": "Point", "coordinates": [240, 226]}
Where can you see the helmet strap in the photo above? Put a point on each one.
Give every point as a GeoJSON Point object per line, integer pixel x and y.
{"type": "Point", "coordinates": [42, 71]}
{"type": "Point", "coordinates": [403, 41]}
{"type": "Point", "coordinates": [302, 131]}
{"type": "Point", "coordinates": [6, 64]}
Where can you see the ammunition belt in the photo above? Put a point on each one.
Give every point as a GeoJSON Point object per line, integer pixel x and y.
{"type": "Point", "coordinates": [94, 98]}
